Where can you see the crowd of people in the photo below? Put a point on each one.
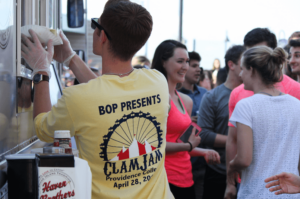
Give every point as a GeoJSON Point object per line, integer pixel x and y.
{"type": "Point", "coordinates": [127, 122]}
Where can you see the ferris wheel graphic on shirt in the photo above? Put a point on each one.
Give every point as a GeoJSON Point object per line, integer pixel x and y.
{"type": "Point", "coordinates": [132, 135]}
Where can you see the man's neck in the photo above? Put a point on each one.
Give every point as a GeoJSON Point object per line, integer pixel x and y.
{"type": "Point", "coordinates": [188, 86]}
{"type": "Point", "coordinates": [113, 65]}
{"type": "Point", "coordinates": [298, 78]}
{"type": "Point", "coordinates": [232, 81]}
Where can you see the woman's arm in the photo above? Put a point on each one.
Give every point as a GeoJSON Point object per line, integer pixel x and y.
{"type": "Point", "coordinates": [244, 148]}
{"type": "Point", "coordinates": [210, 156]}
{"type": "Point", "coordinates": [173, 147]}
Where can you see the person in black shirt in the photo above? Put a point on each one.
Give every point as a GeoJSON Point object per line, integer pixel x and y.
{"type": "Point", "coordinates": [213, 119]}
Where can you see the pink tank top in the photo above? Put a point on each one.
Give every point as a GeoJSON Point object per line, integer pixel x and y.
{"type": "Point", "coordinates": [178, 165]}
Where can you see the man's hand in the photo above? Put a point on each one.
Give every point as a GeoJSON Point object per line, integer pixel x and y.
{"type": "Point", "coordinates": [230, 192]}
{"type": "Point", "coordinates": [284, 183]}
{"type": "Point", "coordinates": [35, 55]}
{"type": "Point", "coordinates": [212, 157]}
{"type": "Point", "coordinates": [194, 139]}
{"type": "Point", "coordinates": [194, 119]}
{"type": "Point", "coordinates": [63, 53]}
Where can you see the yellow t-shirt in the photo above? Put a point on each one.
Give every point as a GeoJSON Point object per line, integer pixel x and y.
{"type": "Point", "coordinates": [120, 127]}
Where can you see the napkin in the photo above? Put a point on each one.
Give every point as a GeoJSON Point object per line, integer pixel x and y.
{"type": "Point", "coordinates": [44, 34]}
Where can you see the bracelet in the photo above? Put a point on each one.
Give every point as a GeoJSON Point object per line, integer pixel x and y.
{"type": "Point", "coordinates": [191, 146]}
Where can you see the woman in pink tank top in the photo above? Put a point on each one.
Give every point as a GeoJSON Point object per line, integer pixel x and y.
{"type": "Point", "coordinates": [171, 59]}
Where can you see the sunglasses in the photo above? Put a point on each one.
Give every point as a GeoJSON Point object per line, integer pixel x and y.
{"type": "Point", "coordinates": [95, 24]}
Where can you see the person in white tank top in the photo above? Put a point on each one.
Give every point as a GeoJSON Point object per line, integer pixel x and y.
{"type": "Point", "coordinates": [268, 138]}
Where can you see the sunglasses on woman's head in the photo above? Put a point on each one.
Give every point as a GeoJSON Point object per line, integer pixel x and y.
{"type": "Point", "coordinates": [95, 24]}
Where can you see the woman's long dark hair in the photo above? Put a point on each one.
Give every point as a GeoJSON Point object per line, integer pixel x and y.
{"type": "Point", "coordinates": [163, 52]}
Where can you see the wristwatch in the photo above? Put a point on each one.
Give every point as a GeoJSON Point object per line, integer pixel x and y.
{"type": "Point", "coordinates": [37, 78]}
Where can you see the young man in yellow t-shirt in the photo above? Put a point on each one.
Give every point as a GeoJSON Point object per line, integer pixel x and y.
{"type": "Point", "coordinates": [118, 119]}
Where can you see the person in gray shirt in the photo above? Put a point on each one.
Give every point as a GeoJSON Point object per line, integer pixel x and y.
{"type": "Point", "coordinates": [213, 119]}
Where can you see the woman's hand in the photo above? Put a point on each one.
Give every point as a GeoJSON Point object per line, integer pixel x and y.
{"type": "Point", "coordinates": [172, 147]}
{"type": "Point", "coordinates": [194, 139]}
{"type": "Point", "coordinates": [230, 192]}
{"type": "Point", "coordinates": [284, 183]}
{"type": "Point", "coordinates": [232, 176]}
{"type": "Point", "coordinates": [212, 157]}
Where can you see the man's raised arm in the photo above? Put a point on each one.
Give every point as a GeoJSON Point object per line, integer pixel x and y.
{"type": "Point", "coordinates": [39, 60]}
{"type": "Point", "coordinates": [65, 54]}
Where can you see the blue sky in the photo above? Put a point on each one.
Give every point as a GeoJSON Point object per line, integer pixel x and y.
{"type": "Point", "coordinates": [208, 21]}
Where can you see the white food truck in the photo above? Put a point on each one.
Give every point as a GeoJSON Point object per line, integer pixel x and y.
{"type": "Point", "coordinates": [17, 134]}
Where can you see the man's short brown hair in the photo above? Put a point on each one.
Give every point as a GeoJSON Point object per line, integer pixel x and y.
{"type": "Point", "coordinates": [111, 2]}
{"type": "Point", "coordinates": [295, 35]}
{"type": "Point", "coordinates": [129, 26]}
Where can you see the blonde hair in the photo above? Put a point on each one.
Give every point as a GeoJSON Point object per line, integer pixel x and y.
{"type": "Point", "coordinates": [266, 62]}
{"type": "Point", "coordinates": [214, 67]}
